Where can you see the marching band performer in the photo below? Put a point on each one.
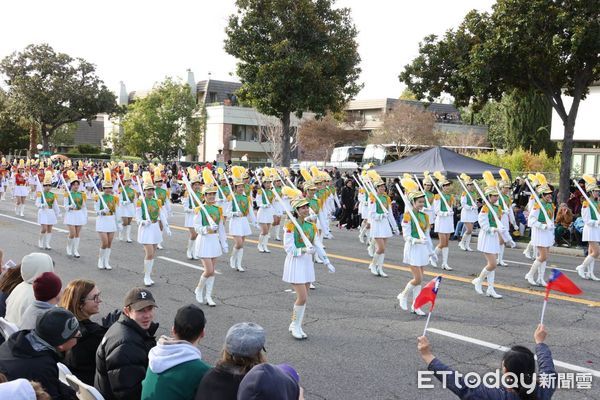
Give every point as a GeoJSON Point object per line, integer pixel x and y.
{"type": "Point", "coordinates": [488, 241]}
{"type": "Point", "coordinates": [105, 206]}
{"type": "Point", "coordinates": [383, 224]}
{"type": "Point", "coordinates": [264, 201]}
{"type": "Point", "coordinates": [48, 211]}
{"type": "Point", "coordinates": [444, 219]}
{"type": "Point", "coordinates": [189, 207]}
{"type": "Point", "coordinates": [277, 209]}
{"type": "Point", "coordinates": [3, 177]}
{"type": "Point", "coordinates": [508, 215]}
{"type": "Point", "coordinates": [427, 187]}
{"type": "Point", "coordinates": [530, 251]}
{"type": "Point", "coordinates": [163, 195]}
{"type": "Point", "coordinates": [212, 242]}
{"type": "Point", "coordinates": [541, 221]}
{"type": "Point", "coordinates": [321, 194]}
{"type": "Point", "coordinates": [299, 269]}
{"type": "Point", "coordinates": [363, 209]}
{"type": "Point", "coordinates": [126, 208]}
{"type": "Point", "coordinates": [149, 212]}
{"type": "Point", "coordinates": [75, 213]}
{"type": "Point", "coordinates": [417, 249]}
{"type": "Point", "coordinates": [468, 213]}
{"type": "Point", "coordinates": [31, 180]}
{"type": "Point", "coordinates": [591, 228]}
{"type": "Point", "coordinates": [20, 189]}
{"type": "Point", "coordinates": [223, 195]}
{"type": "Point", "coordinates": [240, 213]}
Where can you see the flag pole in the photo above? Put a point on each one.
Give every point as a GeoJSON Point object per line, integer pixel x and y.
{"type": "Point", "coordinates": [427, 323]}
{"type": "Point", "coordinates": [544, 306]}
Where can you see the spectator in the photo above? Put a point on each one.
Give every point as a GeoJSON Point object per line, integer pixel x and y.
{"type": "Point", "coordinates": [244, 346]}
{"type": "Point", "coordinates": [348, 197]}
{"type": "Point", "coordinates": [175, 366]}
{"type": "Point", "coordinates": [122, 357]}
{"type": "Point", "coordinates": [519, 360]}
{"type": "Point", "coordinates": [9, 280]}
{"type": "Point", "coordinates": [270, 382]}
{"type": "Point", "coordinates": [520, 219]}
{"type": "Point", "coordinates": [47, 289]}
{"type": "Point", "coordinates": [22, 389]}
{"type": "Point", "coordinates": [33, 354]}
{"type": "Point", "coordinates": [564, 219]}
{"type": "Point", "coordinates": [32, 265]}
{"type": "Point", "coordinates": [82, 298]}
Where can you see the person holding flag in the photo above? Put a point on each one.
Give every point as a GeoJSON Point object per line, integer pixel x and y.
{"type": "Point", "coordinates": [541, 221]}
{"type": "Point", "coordinates": [468, 212]}
{"type": "Point", "coordinates": [560, 283]}
{"type": "Point", "coordinates": [105, 205]}
{"type": "Point", "coordinates": [264, 201]}
{"type": "Point", "coordinates": [126, 208]}
{"type": "Point", "coordinates": [240, 214]}
{"type": "Point", "coordinates": [148, 212]}
{"type": "Point", "coordinates": [488, 241]}
{"type": "Point", "coordinates": [189, 209]}
{"type": "Point", "coordinates": [417, 249]}
{"type": "Point", "coordinates": [48, 211]}
{"type": "Point", "coordinates": [75, 213]}
{"type": "Point", "coordinates": [212, 242]}
{"type": "Point", "coordinates": [443, 204]}
{"type": "Point", "coordinates": [591, 228]}
{"type": "Point", "coordinates": [383, 224]}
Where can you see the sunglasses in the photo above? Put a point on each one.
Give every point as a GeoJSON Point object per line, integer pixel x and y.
{"type": "Point", "coordinates": [95, 298]}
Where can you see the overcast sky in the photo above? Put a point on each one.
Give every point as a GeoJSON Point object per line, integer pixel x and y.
{"type": "Point", "coordinates": [141, 42]}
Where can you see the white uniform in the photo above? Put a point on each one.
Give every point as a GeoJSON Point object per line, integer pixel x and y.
{"type": "Point", "coordinates": [106, 222]}
{"type": "Point", "coordinates": [591, 220]}
{"type": "Point", "coordinates": [444, 219]}
{"type": "Point", "coordinates": [149, 229]}
{"type": "Point", "coordinates": [363, 204]}
{"type": "Point", "coordinates": [265, 208]}
{"type": "Point", "coordinates": [127, 204]}
{"type": "Point", "coordinates": [488, 239]}
{"type": "Point", "coordinates": [210, 244]}
{"type": "Point", "coordinates": [382, 222]}
{"type": "Point", "coordinates": [299, 267]}
{"type": "Point", "coordinates": [468, 211]}
{"type": "Point", "coordinates": [188, 208]}
{"type": "Point", "coordinates": [239, 222]}
{"type": "Point", "coordinates": [47, 211]}
{"type": "Point", "coordinates": [416, 253]}
{"type": "Point", "coordinates": [75, 216]}
{"type": "Point", "coordinates": [21, 189]}
{"type": "Point", "coordinates": [542, 234]}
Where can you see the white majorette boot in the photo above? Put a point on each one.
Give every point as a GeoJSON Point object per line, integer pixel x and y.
{"type": "Point", "coordinates": [128, 233]}
{"type": "Point", "coordinates": [190, 249]}
{"type": "Point", "coordinates": [199, 291]}
{"type": "Point", "coordinates": [277, 233]}
{"type": "Point", "coordinates": [17, 207]}
{"type": "Point", "coordinates": [22, 210]}
{"type": "Point", "coordinates": [361, 234]}
{"type": "Point", "coordinates": [541, 272]}
{"type": "Point", "coordinates": [233, 258]}
{"type": "Point", "coordinates": [106, 258]}
{"type": "Point", "coordinates": [42, 240]}
{"type": "Point", "coordinates": [296, 325]}
{"type": "Point", "coordinates": [416, 290]}
{"type": "Point", "coordinates": [70, 246]}
{"type": "Point", "coordinates": [266, 243]}
{"type": "Point", "coordinates": [530, 276]}
{"type": "Point", "coordinates": [210, 282]}
{"type": "Point", "coordinates": [461, 244]}
{"type": "Point", "coordinates": [591, 271]}
{"type": "Point", "coordinates": [47, 243]}
{"type": "Point", "coordinates": [148, 264]}
{"type": "Point", "coordinates": [478, 282]}
{"type": "Point", "coordinates": [101, 259]}
{"type": "Point", "coordinates": [490, 292]}
{"type": "Point", "coordinates": [160, 246]}
{"type": "Point", "coordinates": [371, 247]}
{"type": "Point", "coordinates": [501, 256]}
{"type": "Point", "coordinates": [380, 266]}
{"type": "Point", "coordinates": [582, 270]}
{"type": "Point", "coordinates": [445, 265]}
{"type": "Point", "coordinates": [76, 247]}
{"type": "Point", "coordinates": [468, 242]}
{"type": "Point", "coordinates": [259, 246]}
{"type": "Point", "coordinates": [403, 296]}
{"type": "Point", "coordinates": [238, 260]}
{"type": "Point", "coordinates": [373, 265]}
{"type": "Point", "coordinates": [438, 253]}
{"type": "Point", "coordinates": [527, 251]}
{"type": "Point", "coordinates": [120, 232]}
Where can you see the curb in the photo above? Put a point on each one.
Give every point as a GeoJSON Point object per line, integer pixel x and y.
{"type": "Point", "coordinates": [565, 251]}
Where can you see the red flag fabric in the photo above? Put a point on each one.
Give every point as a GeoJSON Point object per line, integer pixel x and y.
{"type": "Point", "coordinates": [428, 294]}
{"type": "Point", "coordinates": [559, 282]}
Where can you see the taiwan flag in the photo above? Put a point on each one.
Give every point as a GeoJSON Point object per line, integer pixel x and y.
{"type": "Point", "coordinates": [428, 293]}
{"type": "Point", "coordinates": [559, 282]}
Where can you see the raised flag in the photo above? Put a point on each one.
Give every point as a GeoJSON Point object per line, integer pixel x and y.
{"type": "Point", "coordinates": [559, 282]}
{"type": "Point", "coordinates": [428, 294]}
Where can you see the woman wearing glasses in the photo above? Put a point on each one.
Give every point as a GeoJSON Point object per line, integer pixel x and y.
{"type": "Point", "coordinates": [82, 298]}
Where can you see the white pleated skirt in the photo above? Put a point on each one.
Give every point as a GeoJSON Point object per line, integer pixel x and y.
{"type": "Point", "coordinates": [46, 217]}
{"type": "Point", "coordinates": [299, 270]}
{"type": "Point", "coordinates": [416, 255]}
{"type": "Point", "coordinates": [380, 229]}
{"type": "Point", "coordinates": [127, 210]}
{"type": "Point", "coordinates": [149, 234]}
{"type": "Point", "coordinates": [239, 226]}
{"type": "Point", "coordinates": [488, 242]}
{"type": "Point", "coordinates": [208, 246]}
{"type": "Point", "coordinates": [265, 215]}
{"type": "Point", "coordinates": [444, 224]}
{"type": "Point", "coordinates": [189, 220]}
{"type": "Point", "coordinates": [106, 223]}
{"type": "Point", "coordinates": [591, 234]}
{"type": "Point", "coordinates": [469, 216]}
{"type": "Point", "coordinates": [76, 217]}
{"type": "Point", "coordinates": [542, 238]}
{"type": "Point", "coordinates": [21, 191]}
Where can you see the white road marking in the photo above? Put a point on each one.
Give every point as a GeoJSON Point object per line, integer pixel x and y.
{"type": "Point", "coordinates": [174, 261]}
{"type": "Point", "coordinates": [551, 266]}
{"type": "Point", "coordinates": [498, 347]}
{"type": "Point", "coordinates": [32, 223]}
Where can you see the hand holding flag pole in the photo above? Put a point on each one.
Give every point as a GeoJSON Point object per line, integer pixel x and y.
{"type": "Point", "coordinates": [428, 295]}
{"type": "Point", "coordinates": [422, 190]}
{"type": "Point", "coordinates": [559, 282]}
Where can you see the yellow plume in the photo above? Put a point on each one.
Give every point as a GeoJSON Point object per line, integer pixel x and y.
{"type": "Point", "coordinates": [589, 179]}
{"type": "Point", "coordinates": [147, 178]}
{"type": "Point", "coordinates": [135, 167]}
{"type": "Point", "coordinates": [407, 175]}
{"type": "Point", "coordinates": [220, 171]}
{"type": "Point", "coordinates": [237, 172]}
{"type": "Point", "coordinates": [41, 164]}
{"type": "Point", "coordinates": [305, 174]}
{"type": "Point", "coordinates": [107, 175]}
{"type": "Point", "coordinates": [72, 176]}
{"type": "Point", "coordinates": [285, 171]}
{"type": "Point", "coordinates": [465, 177]}
{"type": "Point", "coordinates": [314, 171]}
{"type": "Point", "coordinates": [504, 175]}
{"type": "Point", "coordinates": [291, 193]}
{"type": "Point", "coordinates": [438, 175]}
{"type": "Point", "coordinates": [373, 174]}
{"type": "Point", "coordinates": [367, 166]}
{"type": "Point", "coordinates": [21, 163]}
{"type": "Point", "coordinates": [48, 176]}
{"type": "Point", "coordinates": [207, 176]}
{"type": "Point", "coordinates": [121, 164]}
{"type": "Point", "coordinates": [157, 174]}
{"type": "Point", "coordinates": [489, 179]}
{"type": "Point", "coordinates": [409, 184]}
{"type": "Point", "coordinates": [80, 164]}
{"type": "Point", "coordinates": [541, 179]}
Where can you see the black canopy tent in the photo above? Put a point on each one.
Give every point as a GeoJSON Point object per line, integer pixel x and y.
{"type": "Point", "coordinates": [440, 159]}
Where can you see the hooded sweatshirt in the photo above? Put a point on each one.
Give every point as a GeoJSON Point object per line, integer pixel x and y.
{"type": "Point", "coordinates": [175, 369]}
{"type": "Point", "coordinates": [29, 317]}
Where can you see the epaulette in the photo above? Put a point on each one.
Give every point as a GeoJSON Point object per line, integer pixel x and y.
{"type": "Point", "coordinates": [406, 217]}
{"type": "Point", "coordinates": [585, 204]}
{"type": "Point", "coordinates": [437, 196]}
{"type": "Point", "coordinates": [485, 209]}
{"type": "Point", "coordinates": [289, 226]}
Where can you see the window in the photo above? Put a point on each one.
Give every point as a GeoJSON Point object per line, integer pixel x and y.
{"type": "Point", "coordinates": [577, 164]}
{"type": "Point", "coordinates": [588, 166]}
{"type": "Point", "coordinates": [212, 97]}
{"type": "Point", "coordinates": [246, 133]}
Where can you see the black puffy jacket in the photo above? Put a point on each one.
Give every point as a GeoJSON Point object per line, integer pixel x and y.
{"type": "Point", "coordinates": [81, 359]}
{"type": "Point", "coordinates": [122, 359]}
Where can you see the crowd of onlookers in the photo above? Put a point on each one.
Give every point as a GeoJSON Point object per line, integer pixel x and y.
{"type": "Point", "coordinates": [119, 354]}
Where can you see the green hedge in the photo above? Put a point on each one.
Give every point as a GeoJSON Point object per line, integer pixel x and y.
{"type": "Point", "coordinates": [84, 156]}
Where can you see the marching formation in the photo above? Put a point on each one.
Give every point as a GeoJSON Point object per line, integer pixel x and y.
{"type": "Point", "coordinates": [218, 203]}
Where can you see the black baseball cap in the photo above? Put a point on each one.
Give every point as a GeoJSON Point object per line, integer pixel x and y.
{"type": "Point", "coordinates": [139, 298]}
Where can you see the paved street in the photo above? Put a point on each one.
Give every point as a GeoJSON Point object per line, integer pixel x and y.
{"type": "Point", "coordinates": [361, 344]}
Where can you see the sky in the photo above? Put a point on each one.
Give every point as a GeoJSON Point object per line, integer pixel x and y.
{"type": "Point", "coordinates": [142, 42]}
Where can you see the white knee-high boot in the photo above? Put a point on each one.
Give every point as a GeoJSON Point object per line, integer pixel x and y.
{"type": "Point", "coordinates": [47, 243]}
{"type": "Point", "coordinates": [438, 253]}
{"type": "Point", "coordinates": [491, 292]}
{"type": "Point", "coordinates": [148, 265]}
{"type": "Point", "coordinates": [373, 265]}
{"type": "Point", "coordinates": [190, 249]}
{"type": "Point", "coordinates": [582, 270]}
{"type": "Point", "coordinates": [296, 325]}
{"type": "Point", "coordinates": [76, 247]}
{"type": "Point", "coordinates": [266, 243]}
{"type": "Point", "coordinates": [101, 259]}
{"type": "Point", "coordinates": [70, 246]}
{"type": "Point", "coordinates": [259, 246]}
{"type": "Point", "coordinates": [128, 233]}
{"type": "Point", "coordinates": [416, 290]}
{"type": "Point", "coordinates": [199, 291]}
{"type": "Point", "coordinates": [277, 232]}
{"type": "Point", "coordinates": [478, 282]}
{"type": "Point", "coordinates": [530, 276]}
{"type": "Point", "coordinates": [541, 272]}
{"type": "Point", "coordinates": [107, 258]}
{"type": "Point", "coordinates": [501, 256]}
{"type": "Point", "coordinates": [403, 296]}
{"type": "Point", "coordinates": [591, 270]}
{"type": "Point", "coordinates": [238, 261]}
{"type": "Point", "coordinates": [445, 265]}
{"type": "Point", "coordinates": [380, 260]}
{"type": "Point", "coordinates": [42, 240]}
{"type": "Point", "coordinates": [468, 241]}
{"type": "Point", "coordinates": [233, 258]}
{"type": "Point", "coordinates": [210, 282]}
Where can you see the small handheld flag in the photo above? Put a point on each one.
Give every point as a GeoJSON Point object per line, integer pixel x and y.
{"type": "Point", "coordinates": [561, 283]}
{"type": "Point", "coordinates": [428, 295]}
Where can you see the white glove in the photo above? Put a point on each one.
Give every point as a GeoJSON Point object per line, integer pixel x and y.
{"type": "Point", "coordinates": [168, 231]}
{"type": "Point", "coordinates": [309, 250]}
{"type": "Point", "coordinates": [597, 224]}
{"type": "Point", "coordinates": [449, 213]}
{"type": "Point", "coordinates": [125, 202]}
{"type": "Point", "coordinates": [201, 230]}
{"type": "Point", "coordinates": [396, 231]}
{"type": "Point", "coordinates": [236, 214]}
{"type": "Point", "coordinates": [265, 205]}
{"type": "Point", "coordinates": [493, 230]}
{"type": "Point", "coordinates": [543, 226]}
{"type": "Point", "coordinates": [433, 257]}
{"type": "Point", "coordinates": [225, 248]}
{"type": "Point", "coordinates": [101, 213]}
{"type": "Point", "coordinates": [330, 267]}
{"type": "Point", "coordinates": [188, 210]}
{"type": "Point", "coordinates": [417, 241]}
{"type": "Point", "coordinates": [144, 222]}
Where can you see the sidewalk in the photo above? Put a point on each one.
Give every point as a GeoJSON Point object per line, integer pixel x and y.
{"type": "Point", "coordinates": [565, 251]}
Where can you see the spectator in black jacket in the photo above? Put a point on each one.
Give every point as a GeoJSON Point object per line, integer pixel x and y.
{"type": "Point", "coordinates": [122, 357]}
{"type": "Point", "coordinates": [348, 194]}
{"type": "Point", "coordinates": [82, 298]}
{"type": "Point", "coordinates": [33, 354]}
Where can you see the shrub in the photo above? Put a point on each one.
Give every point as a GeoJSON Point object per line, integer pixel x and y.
{"type": "Point", "coordinates": [88, 149]}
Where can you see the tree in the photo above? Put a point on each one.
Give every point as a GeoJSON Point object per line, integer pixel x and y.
{"type": "Point", "coordinates": [547, 45]}
{"type": "Point", "coordinates": [270, 137]}
{"type": "Point", "coordinates": [318, 137]}
{"type": "Point", "coordinates": [406, 127]}
{"type": "Point", "coordinates": [294, 56]}
{"type": "Point", "coordinates": [52, 89]}
{"type": "Point", "coordinates": [407, 95]}
{"type": "Point", "coordinates": [14, 133]}
{"type": "Point", "coordinates": [159, 124]}
{"type": "Point", "coordinates": [64, 135]}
